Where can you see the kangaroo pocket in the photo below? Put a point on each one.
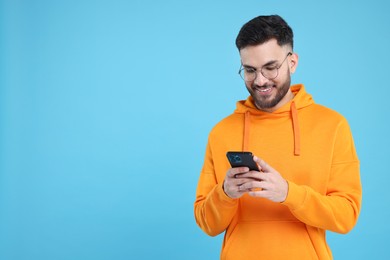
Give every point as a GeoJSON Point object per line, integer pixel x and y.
{"type": "Point", "coordinates": [269, 240]}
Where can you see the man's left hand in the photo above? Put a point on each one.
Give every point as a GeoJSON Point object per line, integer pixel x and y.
{"type": "Point", "coordinates": [268, 183]}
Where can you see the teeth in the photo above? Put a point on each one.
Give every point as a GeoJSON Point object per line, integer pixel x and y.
{"type": "Point", "coordinates": [264, 90]}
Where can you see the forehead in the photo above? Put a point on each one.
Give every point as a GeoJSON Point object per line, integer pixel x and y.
{"type": "Point", "coordinates": [258, 55]}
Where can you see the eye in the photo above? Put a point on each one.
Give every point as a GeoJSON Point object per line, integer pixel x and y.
{"type": "Point", "coordinates": [269, 68]}
{"type": "Point", "coordinates": [250, 70]}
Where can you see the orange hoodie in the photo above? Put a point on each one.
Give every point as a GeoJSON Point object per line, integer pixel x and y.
{"type": "Point", "coordinates": [312, 148]}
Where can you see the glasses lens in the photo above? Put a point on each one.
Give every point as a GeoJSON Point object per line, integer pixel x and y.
{"type": "Point", "coordinates": [248, 74]}
{"type": "Point", "coordinates": [269, 73]}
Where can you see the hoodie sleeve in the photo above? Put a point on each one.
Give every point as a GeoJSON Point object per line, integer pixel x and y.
{"type": "Point", "coordinates": [213, 209]}
{"type": "Point", "coordinates": [339, 208]}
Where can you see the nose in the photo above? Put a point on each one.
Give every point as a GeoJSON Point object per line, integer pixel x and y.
{"type": "Point", "coordinates": [260, 79]}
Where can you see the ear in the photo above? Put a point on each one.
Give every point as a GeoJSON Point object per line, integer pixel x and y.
{"type": "Point", "coordinates": [293, 62]}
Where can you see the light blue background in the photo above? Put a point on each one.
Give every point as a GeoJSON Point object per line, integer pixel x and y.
{"type": "Point", "coordinates": [105, 108]}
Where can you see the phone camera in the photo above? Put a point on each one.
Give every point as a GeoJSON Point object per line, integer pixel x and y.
{"type": "Point", "coordinates": [235, 158]}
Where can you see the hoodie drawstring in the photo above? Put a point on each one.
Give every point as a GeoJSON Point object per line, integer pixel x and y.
{"type": "Point", "coordinates": [247, 123]}
{"type": "Point", "coordinates": [297, 135]}
{"type": "Point", "coordinates": [295, 125]}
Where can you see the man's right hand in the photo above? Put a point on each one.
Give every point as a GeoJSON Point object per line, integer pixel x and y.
{"type": "Point", "coordinates": [231, 184]}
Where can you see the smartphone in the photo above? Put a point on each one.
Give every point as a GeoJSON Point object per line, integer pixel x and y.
{"type": "Point", "coordinates": [242, 159]}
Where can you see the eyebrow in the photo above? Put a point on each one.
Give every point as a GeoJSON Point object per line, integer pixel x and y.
{"type": "Point", "coordinates": [272, 62]}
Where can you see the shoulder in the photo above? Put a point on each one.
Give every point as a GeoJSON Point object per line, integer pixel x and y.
{"type": "Point", "coordinates": [228, 124]}
{"type": "Point", "coordinates": [323, 113]}
{"type": "Point", "coordinates": [228, 121]}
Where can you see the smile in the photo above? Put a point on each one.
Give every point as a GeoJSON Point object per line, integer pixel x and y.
{"type": "Point", "coordinates": [264, 90]}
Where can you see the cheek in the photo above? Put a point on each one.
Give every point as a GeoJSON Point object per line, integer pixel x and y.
{"type": "Point", "coordinates": [283, 77]}
{"type": "Point", "coordinates": [248, 85]}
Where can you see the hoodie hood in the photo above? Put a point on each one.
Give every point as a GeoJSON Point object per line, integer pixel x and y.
{"type": "Point", "coordinates": [291, 109]}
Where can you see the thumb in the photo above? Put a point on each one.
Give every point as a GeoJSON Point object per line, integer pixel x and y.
{"type": "Point", "coordinates": [264, 167]}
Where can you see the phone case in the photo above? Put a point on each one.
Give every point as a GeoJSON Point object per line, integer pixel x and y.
{"type": "Point", "coordinates": [242, 159]}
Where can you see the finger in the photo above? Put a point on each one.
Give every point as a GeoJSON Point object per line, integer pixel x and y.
{"type": "Point", "coordinates": [242, 189]}
{"type": "Point", "coordinates": [232, 172]}
{"type": "Point", "coordinates": [252, 186]}
{"type": "Point", "coordinates": [231, 184]}
{"type": "Point", "coordinates": [255, 187]}
{"type": "Point", "coordinates": [265, 167]}
{"type": "Point", "coordinates": [252, 175]}
{"type": "Point", "coordinates": [264, 176]}
{"type": "Point", "coordinates": [258, 193]}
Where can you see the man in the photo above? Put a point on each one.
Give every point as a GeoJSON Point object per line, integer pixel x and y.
{"type": "Point", "coordinates": [308, 179]}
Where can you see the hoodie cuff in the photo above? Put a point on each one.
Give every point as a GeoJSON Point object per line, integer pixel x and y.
{"type": "Point", "coordinates": [225, 199]}
{"type": "Point", "coordinates": [296, 196]}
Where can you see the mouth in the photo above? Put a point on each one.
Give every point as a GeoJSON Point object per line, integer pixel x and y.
{"type": "Point", "coordinates": [264, 90]}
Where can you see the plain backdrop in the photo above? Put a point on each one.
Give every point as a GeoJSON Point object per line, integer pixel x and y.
{"type": "Point", "coordinates": [105, 109]}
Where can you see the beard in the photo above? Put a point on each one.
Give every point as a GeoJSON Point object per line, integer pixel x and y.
{"type": "Point", "coordinates": [264, 102]}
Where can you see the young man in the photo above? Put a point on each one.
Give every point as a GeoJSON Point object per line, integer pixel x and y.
{"type": "Point", "coordinates": [308, 179]}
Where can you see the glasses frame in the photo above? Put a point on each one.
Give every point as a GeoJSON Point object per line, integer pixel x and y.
{"type": "Point", "coordinates": [261, 70]}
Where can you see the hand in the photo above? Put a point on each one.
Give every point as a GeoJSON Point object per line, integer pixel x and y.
{"type": "Point", "coordinates": [267, 183]}
{"type": "Point", "coordinates": [233, 183]}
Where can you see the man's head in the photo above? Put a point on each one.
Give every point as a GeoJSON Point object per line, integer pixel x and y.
{"type": "Point", "coordinates": [264, 28]}
{"type": "Point", "coordinates": [267, 58]}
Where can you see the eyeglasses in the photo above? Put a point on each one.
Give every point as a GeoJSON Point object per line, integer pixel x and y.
{"type": "Point", "coordinates": [269, 72]}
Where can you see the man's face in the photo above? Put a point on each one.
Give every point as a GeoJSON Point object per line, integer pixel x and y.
{"type": "Point", "coordinates": [269, 94]}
